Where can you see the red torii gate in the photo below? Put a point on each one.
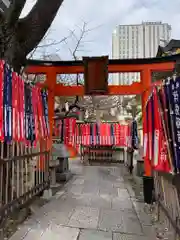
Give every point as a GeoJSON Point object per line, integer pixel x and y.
{"type": "Point", "coordinates": [144, 66]}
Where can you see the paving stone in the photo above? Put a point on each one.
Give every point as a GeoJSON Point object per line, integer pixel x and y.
{"type": "Point", "coordinates": [59, 217]}
{"type": "Point", "coordinates": [105, 184]}
{"type": "Point", "coordinates": [59, 194]}
{"type": "Point", "coordinates": [110, 220]}
{"type": "Point", "coordinates": [149, 231]}
{"type": "Point", "coordinates": [99, 200]}
{"type": "Point", "coordinates": [131, 191]}
{"type": "Point", "coordinates": [139, 206]}
{"type": "Point", "coordinates": [75, 200]}
{"type": "Point", "coordinates": [121, 185]}
{"type": "Point", "coordinates": [92, 189]}
{"type": "Point", "coordinates": [34, 234]}
{"type": "Point", "coordinates": [76, 189]}
{"type": "Point", "coordinates": [54, 204]}
{"type": "Point", "coordinates": [20, 233]}
{"type": "Point", "coordinates": [131, 223]}
{"type": "Point", "coordinates": [78, 181]}
{"type": "Point", "coordinates": [103, 201]}
{"type": "Point", "coordinates": [120, 236]}
{"type": "Point", "coordinates": [144, 218]}
{"type": "Point", "coordinates": [109, 191]}
{"type": "Point", "coordinates": [60, 232]}
{"type": "Point", "coordinates": [31, 222]}
{"type": "Point", "coordinates": [84, 217]}
{"type": "Point", "coordinates": [94, 235]}
{"type": "Point", "coordinates": [122, 204]}
{"type": "Point", "coordinates": [120, 179]}
{"type": "Point", "coordinates": [123, 193]}
{"type": "Point", "coordinates": [42, 211]}
{"type": "Point", "coordinates": [31, 228]}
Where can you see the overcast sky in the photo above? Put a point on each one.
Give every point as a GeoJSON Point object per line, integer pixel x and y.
{"type": "Point", "coordinates": [103, 16]}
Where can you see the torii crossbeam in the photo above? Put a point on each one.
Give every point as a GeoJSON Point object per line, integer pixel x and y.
{"type": "Point", "coordinates": [144, 66]}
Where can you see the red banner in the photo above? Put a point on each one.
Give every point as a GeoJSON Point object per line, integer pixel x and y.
{"type": "Point", "coordinates": [66, 130]}
{"type": "Point", "coordinates": [108, 134]}
{"type": "Point", "coordinates": [160, 147]}
{"type": "Point", "coordinates": [126, 134]}
{"type": "Point", "coordinates": [40, 115]}
{"type": "Point", "coordinates": [82, 133]}
{"type": "Point", "coordinates": [102, 134]}
{"type": "Point", "coordinates": [35, 113]}
{"type": "Point", "coordinates": [78, 140]}
{"type": "Point", "coordinates": [57, 128]}
{"type": "Point", "coordinates": [72, 132]}
{"type": "Point", "coordinates": [150, 150]}
{"type": "Point", "coordinates": [120, 133]}
{"type": "Point", "coordinates": [88, 134]}
{"type": "Point", "coordinates": [1, 100]}
{"type": "Point", "coordinates": [95, 136]}
{"type": "Point", "coordinates": [20, 112]}
{"type": "Point", "coordinates": [117, 134]}
{"type": "Point", "coordinates": [145, 140]}
{"type": "Point", "coordinates": [128, 138]}
{"type": "Point", "coordinates": [123, 131]}
{"type": "Point", "coordinates": [15, 124]}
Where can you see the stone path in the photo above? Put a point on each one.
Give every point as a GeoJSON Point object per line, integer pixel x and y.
{"type": "Point", "coordinates": [98, 203]}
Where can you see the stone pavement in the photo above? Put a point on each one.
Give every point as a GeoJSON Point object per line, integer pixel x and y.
{"type": "Point", "coordinates": [98, 203]}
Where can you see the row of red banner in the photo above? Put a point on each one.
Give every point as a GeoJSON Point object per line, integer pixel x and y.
{"type": "Point", "coordinates": [104, 136]}
{"type": "Point", "coordinates": [92, 133]}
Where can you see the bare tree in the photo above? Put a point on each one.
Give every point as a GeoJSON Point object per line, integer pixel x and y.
{"type": "Point", "coordinates": [133, 106]}
{"type": "Point", "coordinates": [19, 36]}
{"type": "Point", "coordinates": [77, 79]}
{"type": "Point", "coordinates": [79, 41]}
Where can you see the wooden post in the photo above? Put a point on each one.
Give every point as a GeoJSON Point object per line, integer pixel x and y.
{"type": "Point", "coordinates": [146, 85]}
{"type": "Point", "coordinates": [51, 82]}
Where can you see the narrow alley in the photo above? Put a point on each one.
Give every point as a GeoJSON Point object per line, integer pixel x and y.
{"type": "Point", "coordinates": [98, 203]}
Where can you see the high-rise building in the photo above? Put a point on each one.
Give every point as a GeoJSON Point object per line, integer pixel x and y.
{"type": "Point", "coordinates": [137, 41]}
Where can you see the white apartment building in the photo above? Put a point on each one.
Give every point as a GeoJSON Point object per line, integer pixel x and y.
{"type": "Point", "coordinates": [137, 41]}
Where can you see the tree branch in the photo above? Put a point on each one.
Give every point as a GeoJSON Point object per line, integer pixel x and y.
{"type": "Point", "coordinates": [33, 27]}
{"type": "Point", "coordinates": [1, 16]}
{"type": "Point", "coordinates": [13, 12]}
{"type": "Point", "coordinates": [83, 31]}
{"type": "Point", "coordinates": [54, 43]}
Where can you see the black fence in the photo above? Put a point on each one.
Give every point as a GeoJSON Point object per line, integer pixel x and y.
{"type": "Point", "coordinates": [24, 173]}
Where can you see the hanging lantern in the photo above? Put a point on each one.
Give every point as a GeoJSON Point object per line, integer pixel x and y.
{"type": "Point", "coordinates": [86, 115]}
{"type": "Point", "coordinates": [66, 106]}
{"type": "Point", "coordinates": [112, 111]}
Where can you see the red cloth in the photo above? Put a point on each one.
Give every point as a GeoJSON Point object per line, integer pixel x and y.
{"type": "Point", "coordinates": [160, 147]}
{"type": "Point", "coordinates": [21, 124]}
{"type": "Point", "coordinates": [94, 134]}
{"type": "Point", "coordinates": [145, 140]}
{"type": "Point", "coordinates": [150, 150]}
{"type": "Point", "coordinates": [123, 130]}
{"type": "Point", "coordinates": [1, 100]}
{"type": "Point", "coordinates": [117, 134]}
{"type": "Point", "coordinates": [108, 131]}
{"type": "Point", "coordinates": [35, 113]}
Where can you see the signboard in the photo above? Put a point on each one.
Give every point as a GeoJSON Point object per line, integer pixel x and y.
{"type": "Point", "coordinates": [96, 75]}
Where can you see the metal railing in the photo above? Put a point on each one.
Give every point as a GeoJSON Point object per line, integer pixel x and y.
{"type": "Point", "coordinates": [24, 173]}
